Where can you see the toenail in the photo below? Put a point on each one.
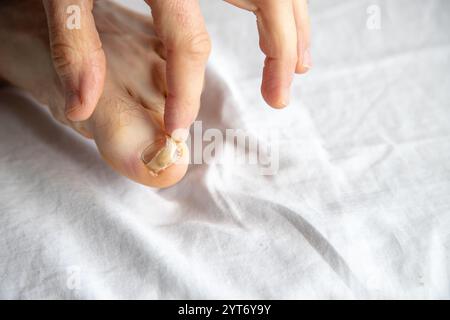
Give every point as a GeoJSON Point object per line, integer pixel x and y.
{"type": "Point", "coordinates": [161, 154]}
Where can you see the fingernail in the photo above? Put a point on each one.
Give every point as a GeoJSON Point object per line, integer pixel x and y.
{"type": "Point", "coordinates": [161, 154]}
{"type": "Point", "coordinates": [73, 102]}
{"type": "Point", "coordinates": [307, 60]}
{"type": "Point", "coordinates": [286, 96]}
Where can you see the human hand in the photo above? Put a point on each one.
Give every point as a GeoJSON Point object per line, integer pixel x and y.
{"type": "Point", "coordinates": [181, 28]}
{"type": "Point", "coordinates": [80, 62]}
{"type": "Point", "coordinates": [79, 59]}
{"type": "Point", "coordinates": [77, 56]}
{"type": "Point", "coordinates": [284, 34]}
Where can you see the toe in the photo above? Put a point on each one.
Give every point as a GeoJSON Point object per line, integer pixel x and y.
{"type": "Point", "coordinates": [129, 136]}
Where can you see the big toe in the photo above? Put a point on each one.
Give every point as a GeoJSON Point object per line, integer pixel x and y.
{"type": "Point", "coordinates": [131, 140]}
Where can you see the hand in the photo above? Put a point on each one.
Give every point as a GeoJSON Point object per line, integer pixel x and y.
{"type": "Point", "coordinates": [284, 34]}
{"type": "Point", "coordinates": [77, 55]}
{"type": "Point", "coordinates": [80, 61]}
{"type": "Point", "coordinates": [180, 26]}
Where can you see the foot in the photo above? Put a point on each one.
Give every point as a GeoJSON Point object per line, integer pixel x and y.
{"type": "Point", "coordinates": [127, 125]}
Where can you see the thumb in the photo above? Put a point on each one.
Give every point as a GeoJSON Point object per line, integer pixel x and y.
{"type": "Point", "coordinates": [77, 54]}
{"type": "Point", "coordinates": [182, 30]}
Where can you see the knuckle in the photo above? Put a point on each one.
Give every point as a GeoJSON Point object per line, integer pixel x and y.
{"type": "Point", "coordinates": [64, 55]}
{"type": "Point", "coordinates": [198, 45]}
{"type": "Point", "coordinates": [70, 51]}
{"type": "Point", "coordinates": [67, 58]}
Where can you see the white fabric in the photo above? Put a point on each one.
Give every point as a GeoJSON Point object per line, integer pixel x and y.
{"type": "Point", "coordinates": [359, 208]}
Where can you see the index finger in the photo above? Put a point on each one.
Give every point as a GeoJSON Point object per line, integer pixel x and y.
{"type": "Point", "coordinates": [181, 28]}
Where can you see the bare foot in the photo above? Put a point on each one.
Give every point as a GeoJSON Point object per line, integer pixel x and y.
{"type": "Point", "coordinates": [127, 125]}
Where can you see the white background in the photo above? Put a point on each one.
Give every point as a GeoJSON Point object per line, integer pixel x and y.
{"type": "Point", "coordinates": [360, 206]}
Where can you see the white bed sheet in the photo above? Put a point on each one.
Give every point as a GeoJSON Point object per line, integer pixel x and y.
{"type": "Point", "coordinates": [359, 208]}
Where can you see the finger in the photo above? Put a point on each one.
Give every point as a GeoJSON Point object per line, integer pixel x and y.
{"type": "Point", "coordinates": [278, 41]}
{"type": "Point", "coordinates": [181, 28]}
{"type": "Point", "coordinates": [304, 62]}
{"type": "Point", "coordinates": [243, 4]}
{"type": "Point", "coordinates": [77, 54]}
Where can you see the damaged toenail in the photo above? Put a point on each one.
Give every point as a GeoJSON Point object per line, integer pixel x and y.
{"type": "Point", "coordinates": [161, 154]}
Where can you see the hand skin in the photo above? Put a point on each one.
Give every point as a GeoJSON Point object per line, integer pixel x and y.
{"type": "Point", "coordinates": [127, 124]}
{"type": "Point", "coordinates": [284, 37]}
{"type": "Point", "coordinates": [80, 63]}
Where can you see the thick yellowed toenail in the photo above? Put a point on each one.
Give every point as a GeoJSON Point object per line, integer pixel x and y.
{"type": "Point", "coordinates": [161, 154]}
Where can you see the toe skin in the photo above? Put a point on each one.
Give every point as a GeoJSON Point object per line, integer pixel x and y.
{"type": "Point", "coordinates": [122, 140]}
{"type": "Point", "coordinates": [129, 163]}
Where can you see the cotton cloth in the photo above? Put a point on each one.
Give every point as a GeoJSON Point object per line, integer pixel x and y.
{"type": "Point", "coordinates": [359, 206]}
